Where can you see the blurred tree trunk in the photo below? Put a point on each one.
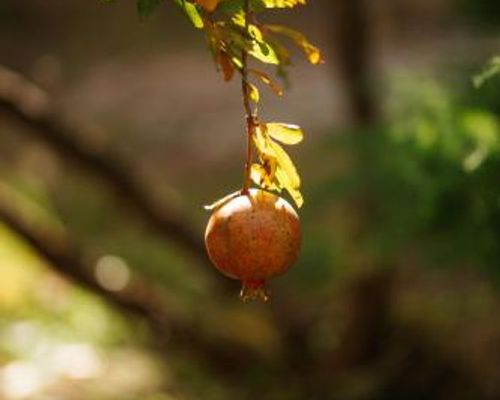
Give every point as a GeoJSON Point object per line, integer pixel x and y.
{"type": "Point", "coordinates": [369, 323]}
{"type": "Point", "coordinates": [353, 45]}
{"type": "Point", "coordinates": [352, 55]}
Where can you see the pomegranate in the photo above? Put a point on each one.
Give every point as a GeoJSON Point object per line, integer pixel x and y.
{"type": "Point", "coordinates": [253, 237]}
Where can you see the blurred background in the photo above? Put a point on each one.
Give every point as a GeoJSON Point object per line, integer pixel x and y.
{"type": "Point", "coordinates": [116, 130]}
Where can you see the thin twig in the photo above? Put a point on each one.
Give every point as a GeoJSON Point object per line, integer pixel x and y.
{"type": "Point", "coordinates": [250, 116]}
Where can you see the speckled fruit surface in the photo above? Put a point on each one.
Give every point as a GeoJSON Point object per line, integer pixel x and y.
{"type": "Point", "coordinates": [253, 237]}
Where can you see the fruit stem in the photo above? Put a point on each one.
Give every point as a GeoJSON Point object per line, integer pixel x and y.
{"type": "Point", "coordinates": [254, 290]}
{"type": "Point", "coordinates": [250, 116]}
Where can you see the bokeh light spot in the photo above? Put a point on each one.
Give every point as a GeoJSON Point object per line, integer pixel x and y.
{"type": "Point", "coordinates": [112, 273]}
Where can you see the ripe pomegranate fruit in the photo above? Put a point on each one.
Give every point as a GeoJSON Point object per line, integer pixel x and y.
{"type": "Point", "coordinates": [253, 237]}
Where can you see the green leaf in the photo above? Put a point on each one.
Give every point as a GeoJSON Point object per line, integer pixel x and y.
{"type": "Point", "coordinates": [146, 7]}
{"type": "Point", "coordinates": [263, 52]}
{"type": "Point", "coordinates": [252, 42]}
{"type": "Point", "coordinates": [258, 5]}
{"type": "Point", "coordinates": [255, 43]}
{"type": "Point", "coordinates": [231, 7]}
{"type": "Point", "coordinates": [192, 13]}
{"type": "Point", "coordinates": [285, 133]}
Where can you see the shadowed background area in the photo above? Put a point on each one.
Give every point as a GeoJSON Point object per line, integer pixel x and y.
{"type": "Point", "coordinates": [116, 130]}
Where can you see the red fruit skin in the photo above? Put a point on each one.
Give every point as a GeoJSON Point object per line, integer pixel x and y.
{"type": "Point", "coordinates": [254, 237]}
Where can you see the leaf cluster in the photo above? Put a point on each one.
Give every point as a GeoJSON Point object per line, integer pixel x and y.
{"type": "Point", "coordinates": [234, 34]}
{"type": "Point", "coordinates": [231, 34]}
{"type": "Point", "coordinates": [276, 170]}
{"type": "Point", "coordinates": [228, 36]}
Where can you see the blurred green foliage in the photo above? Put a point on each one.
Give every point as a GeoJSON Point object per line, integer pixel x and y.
{"type": "Point", "coordinates": [482, 13]}
{"type": "Point", "coordinates": [430, 175]}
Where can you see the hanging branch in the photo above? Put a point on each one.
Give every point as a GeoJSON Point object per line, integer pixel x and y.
{"type": "Point", "coordinates": [234, 35]}
{"type": "Point", "coordinates": [250, 117]}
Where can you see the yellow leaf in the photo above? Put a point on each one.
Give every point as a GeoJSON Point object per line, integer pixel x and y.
{"type": "Point", "coordinates": [286, 164]}
{"type": "Point", "coordinates": [255, 32]}
{"type": "Point", "coordinates": [268, 81]}
{"type": "Point", "coordinates": [297, 197]}
{"type": "Point", "coordinates": [220, 202]}
{"type": "Point", "coordinates": [237, 62]}
{"type": "Point", "coordinates": [263, 52]}
{"type": "Point", "coordinates": [285, 133]}
{"type": "Point", "coordinates": [267, 147]}
{"type": "Point", "coordinates": [208, 5]}
{"type": "Point", "coordinates": [253, 93]}
{"type": "Point", "coordinates": [312, 53]}
{"type": "Point", "coordinates": [262, 141]}
{"type": "Point", "coordinates": [283, 3]}
{"type": "Point", "coordinates": [263, 176]}
{"type": "Point", "coordinates": [239, 18]}
{"type": "Point", "coordinates": [258, 174]}
{"type": "Point", "coordinates": [285, 173]}
{"type": "Point", "coordinates": [284, 182]}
